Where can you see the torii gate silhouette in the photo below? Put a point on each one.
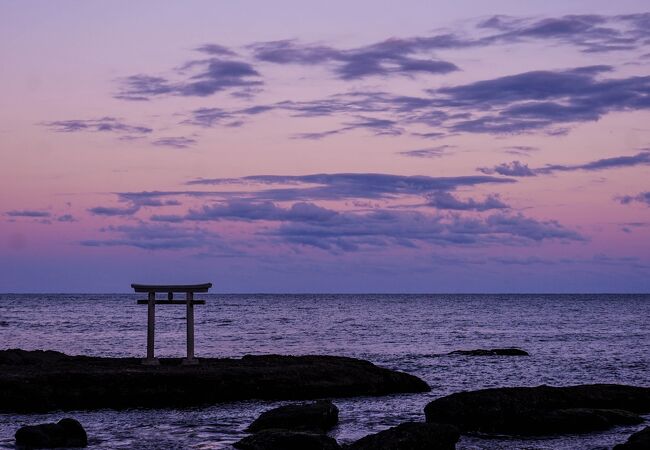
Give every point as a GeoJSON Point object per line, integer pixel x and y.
{"type": "Point", "coordinates": [151, 290]}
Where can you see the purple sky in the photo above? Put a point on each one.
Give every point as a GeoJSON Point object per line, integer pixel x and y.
{"type": "Point", "coordinates": [363, 146]}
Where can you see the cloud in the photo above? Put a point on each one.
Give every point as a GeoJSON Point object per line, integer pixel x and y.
{"type": "Point", "coordinates": [590, 32]}
{"type": "Point", "coordinates": [643, 197]}
{"type": "Point", "coordinates": [518, 169]}
{"type": "Point", "coordinates": [105, 124]}
{"type": "Point", "coordinates": [407, 56]}
{"type": "Point", "coordinates": [513, 169]}
{"type": "Point", "coordinates": [542, 99]}
{"type": "Point", "coordinates": [307, 224]}
{"type": "Point", "coordinates": [640, 159]}
{"type": "Point", "coordinates": [340, 186]}
{"type": "Point", "coordinates": [529, 228]}
{"type": "Point", "coordinates": [66, 218]}
{"type": "Point", "coordinates": [431, 152]}
{"type": "Point", "coordinates": [445, 200]}
{"type": "Point", "coordinates": [215, 49]}
{"type": "Point", "coordinates": [382, 228]}
{"type": "Point", "coordinates": [160, 237]}
{"type": "Point", "coordinates": [523, 150]}
{"type": "Point", "coordinates": [134, 201]}
{"type": "Point", "coordinates": [250, 211]}
{"type": "Point", "coordinates": [286, 210]}
{"type": "Point", "coordinates": [202, 78]}
{"type": "Point", "coordinates": [27, 213]}
{"type": "Point", "coordinates": [545, 101]}
{"type": "Point", "coordinates": [175, 142]}
{"type": "Point", "coordinates": [390, 57]}
{"type": "Point", "coordinates": [114, 211]}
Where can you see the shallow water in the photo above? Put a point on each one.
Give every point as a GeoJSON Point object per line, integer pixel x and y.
{"type": "Point", "coordinates": [572, 339]}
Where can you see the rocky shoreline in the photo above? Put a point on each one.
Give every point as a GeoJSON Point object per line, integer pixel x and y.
{"type": "Point", "coordinates": [40, 381]}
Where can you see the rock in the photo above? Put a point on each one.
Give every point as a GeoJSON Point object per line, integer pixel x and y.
{"type": "Point", "coordinates": [491, 352]}
{"type": "Point", "coordinates": [66, 433]}
{"type": "Point", "coordinates": [578, 420]}
{"type": "Point", "coordinates": [542, 409]}
{"type": "Point", "coordinates": [638, 441]}
{"type": "Point", "coordinates": [47, 381]}
{"type": "Point", "coordinates": [410, 436]}
{"type": "Point", "coordinates": [318, 416]}
{"type": "Point", "coordinates": [287, 440]}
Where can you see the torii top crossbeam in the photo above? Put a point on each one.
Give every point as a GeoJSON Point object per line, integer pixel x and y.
{"type": "Point", "coordinates": [171, 287]}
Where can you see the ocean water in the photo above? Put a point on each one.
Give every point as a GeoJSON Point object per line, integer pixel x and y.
{"type": "Point", "coordinates": [572, 339]}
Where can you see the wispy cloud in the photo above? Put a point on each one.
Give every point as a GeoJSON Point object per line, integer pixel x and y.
{"type": "Point", "coordinates": [195, 78]}
{"type": "Point", "coordinates": [175, 142]}
{"type": "Point", "coordinates": [519, 169]}
{"type": "Point", "coordinates": [430, 152]}
{"type": "Point", "coordinates": [104, 124]}
{"type": "Point", "coordinates": [390, 57]}
{"type": "Point", "coordinates": [161, 237]}
{"type": "Point", "coordinates": [28, 213]}
{"type": "Point", "coordinates": [414, 55]}
{"type": "Point", "coordinates": [340, 186]}
{"type": "Point", "coordinates": [445, 200]}
{"type": "Point", "coordinates": [643, 197]}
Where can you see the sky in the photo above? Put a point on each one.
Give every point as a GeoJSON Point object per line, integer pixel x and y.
{"type": "Point", "coordinates": [367, 146]}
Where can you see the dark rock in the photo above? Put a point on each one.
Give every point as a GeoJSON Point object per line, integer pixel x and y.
{"type": "Point", "coordinates": [318, 416]}
{"type": "Point", "coordinates": [491, 352]}
{"type": "Point", "coordinates": [578, 420]}
{"type": "Point", "coordinates": [45, 381]}
{"type": "Point", "coordinates": [542, 409]}
{"type": "Point", "coordinates": [411, 436]}
{"type": "Point", "coordinates": [638, 441]}
{"type": "Point", "coordinates": [66, 433]}
{"type": "Point", "coordinates": [287, 440]}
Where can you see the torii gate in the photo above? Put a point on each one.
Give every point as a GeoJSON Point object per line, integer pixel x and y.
{"type": "Point", "coordinates": [151, 301]}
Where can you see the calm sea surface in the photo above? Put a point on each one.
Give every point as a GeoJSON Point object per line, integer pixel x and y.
{"type": "Point", "coordinates": [572, 339]}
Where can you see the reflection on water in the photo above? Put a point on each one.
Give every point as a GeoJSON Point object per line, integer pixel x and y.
{"type": "Point", "coordinates": [572, 339]}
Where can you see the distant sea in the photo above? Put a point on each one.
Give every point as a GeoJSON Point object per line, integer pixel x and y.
{"type": "Point", "coordinates": [572, 339]}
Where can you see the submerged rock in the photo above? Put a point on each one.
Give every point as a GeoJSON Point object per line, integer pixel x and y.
{"type": "Point", "coordinates": [638, 441]}
{"type": "Point", "coordinates": [410, 436]}
{"type": "Point", "coordinates": [318, 416]}
{"type": "Point", "coordinates": [66, 433]}
{"type": "Point", "coordinates": [491, 352]}
{"type": "Point", "coordinates": [541, 410]}
{"type": "Point", "coordinates": [287, 440]}
{"type": "Point", "coordinates": [45, 381]}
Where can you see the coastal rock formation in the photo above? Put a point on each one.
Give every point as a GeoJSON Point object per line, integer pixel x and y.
{"type": "Point", "coordinates": [65, 433]}
{"type": "Point", "coordinates": [410, 436]}
{"type": "Point", "coordinates": [491, 352]}
{"type": "Point", "coordinates": [287, 440]}
{"type": "Point", "coordinates": [318, 416]}
{"type": "Point", "coordinates": [541, 410]}
{"type": "Point", "coordinates": [38, 381]}
{"type": "Point", "coordinates": [638, 441]}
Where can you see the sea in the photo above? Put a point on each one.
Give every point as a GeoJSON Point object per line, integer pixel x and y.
{"type": "Point", "coordinates": [572, 339]}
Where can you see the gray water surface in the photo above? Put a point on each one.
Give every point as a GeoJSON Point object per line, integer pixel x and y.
{"type": "Point", "coordinates": [572, 339]}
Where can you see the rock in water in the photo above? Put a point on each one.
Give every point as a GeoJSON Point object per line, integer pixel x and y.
{"type": "Point", "coordinates": [49, 381]}
{"type": "Point", "coordinates": [411, 436]}
{"type": "Point", "coordinates": [541, 410]}
{"type": "Point", "coordinates": [579, 420]}
{"type": "Point", "coordinates": [318, 416]}
{"type": "Point", "coordinates": [66, 433]}
{"type": "Point", "coordinates": [287, 440]}
{"type": "Point", "coordinates": [638, 441]}
{"type": "Point", "coordinates": [491, 352]}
